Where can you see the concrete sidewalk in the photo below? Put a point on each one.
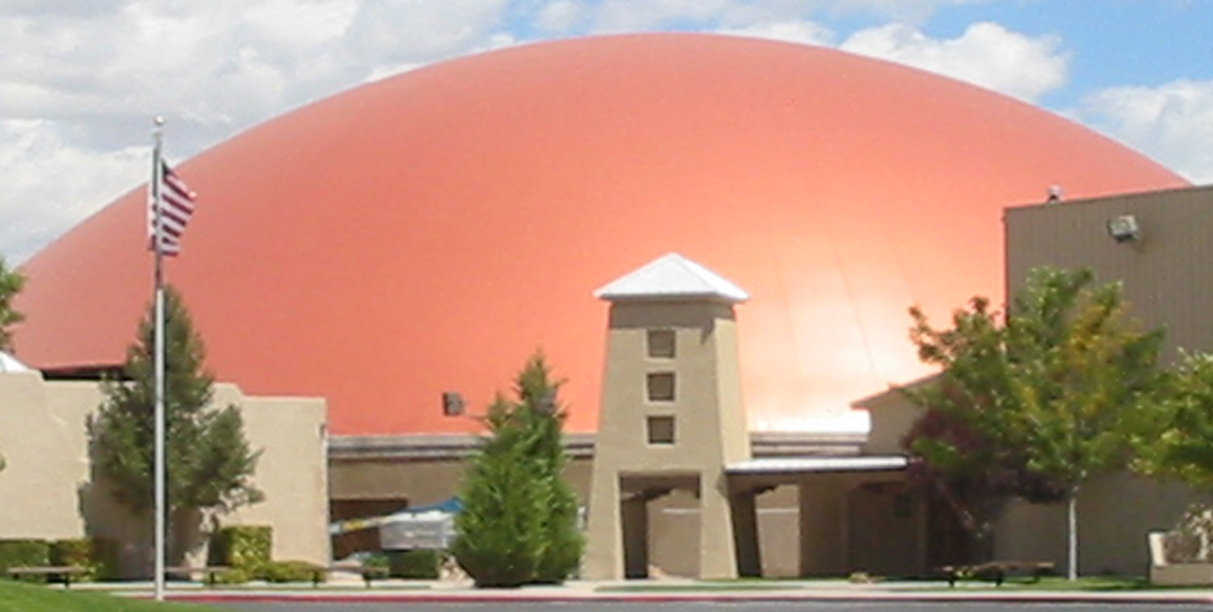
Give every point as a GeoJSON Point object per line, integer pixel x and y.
{"type": "Point", "coordinates": [656, 591]}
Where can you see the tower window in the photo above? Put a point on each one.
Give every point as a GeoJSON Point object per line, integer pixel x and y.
{"type": "Point", "coordinates": [660, 386]}
{"type": "Point", "coordinates": [661, 429]}
{"type": "Point", "coordinates": [661, 343]}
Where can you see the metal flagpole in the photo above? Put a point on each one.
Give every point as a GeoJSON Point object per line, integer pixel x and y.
{"type": "Point", "coordinates": [157, 169]}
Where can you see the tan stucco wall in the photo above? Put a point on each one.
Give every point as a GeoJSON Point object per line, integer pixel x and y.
{"type": "Point", "coordinates": [292, 472]}
{"type": "Point", "coordinates": [48, 490]}
{"type": "Point", "coordinates": [706, 378]}
{"type": "Point", "coordinates": [1115, 513]}
{"type": "Point", "coordinates": [710, 427]}
{"type": "Point", "coordinates": [890, 417]}
{"type": "Point", "coordinates": [421, 481]}
{"type": "Point", "coordinates": [42, 440]}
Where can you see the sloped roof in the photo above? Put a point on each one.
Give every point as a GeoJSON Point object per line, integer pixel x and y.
{"type": "Point", "coordinates": [8, 363]}
{"type": "Point", "coordinates": [671, 276]}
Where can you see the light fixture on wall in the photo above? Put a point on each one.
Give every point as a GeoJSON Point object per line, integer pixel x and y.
{"type": "Point", "coordinates": [452, 403]}
{"type": "Point", "coordinates": [1124, 227]}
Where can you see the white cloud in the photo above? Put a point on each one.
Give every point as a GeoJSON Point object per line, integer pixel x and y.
{"type": "Point", "coordinates": [51, 184]}
{"type": "Point", "coordinates": [90, 81]}
{"type": "Point", "coordinates": [803, 32]}
{"type": "Point", "coordinates": [987, 54]}
{"type": "Point", "coordinates": [633, 15]}
{"type": "Point", "coordinates": [560, 16]}
{"type": "Point", "coordinates": [1173, 123]}
{"type": "Point", "coordinates": [80, 80]}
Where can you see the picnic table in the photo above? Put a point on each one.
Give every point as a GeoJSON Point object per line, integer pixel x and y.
{"type": "Point", "coordinates": [64, 572]}
{"type": "Point", "coordinates": [995, 570]}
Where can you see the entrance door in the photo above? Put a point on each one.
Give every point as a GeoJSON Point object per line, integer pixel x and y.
{"type": "Point", "coordinates": [883, 530]}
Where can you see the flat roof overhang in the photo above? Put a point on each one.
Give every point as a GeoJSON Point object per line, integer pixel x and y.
{"type": "Point", "coordinates": [813, 465]}
{"type": "Point", "coordinates": [765, 473]}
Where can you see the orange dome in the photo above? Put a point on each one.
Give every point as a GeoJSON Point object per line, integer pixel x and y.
{"type": "Point", "coordinates": [428, 232]}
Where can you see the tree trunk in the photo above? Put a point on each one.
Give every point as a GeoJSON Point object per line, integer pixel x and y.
{"type": "Point", "coordinates": [1072, 571]}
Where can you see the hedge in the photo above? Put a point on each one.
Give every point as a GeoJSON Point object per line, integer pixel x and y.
{"type": "Point", "coordinates": [234, 575]}
{"type": "Point", "coordinates": [17, 553]}
{"type": "Point", "coordinates": [79, 552]}
{"type": "Point", "coordinates": [245, 547]}
{"type": "Point", "coordinates": [289, 571]}
{"type": "Point", "coordinates": [420, 564]}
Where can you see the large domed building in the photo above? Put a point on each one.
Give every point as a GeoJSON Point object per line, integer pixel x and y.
{"type": "Point", "coordinates": [427, 232]}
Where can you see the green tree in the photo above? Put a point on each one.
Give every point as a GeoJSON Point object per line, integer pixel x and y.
{"type": "Point", "coordinates": [519, 522]}
{"type": "Point", "coordinates": [1180, 443]}
{"type": "Point", "coordinates": [11, 282]}
{"type": "Point", "coordinates": [1058, 392]}
{"type": "Point", "coordinates": [208, 460]}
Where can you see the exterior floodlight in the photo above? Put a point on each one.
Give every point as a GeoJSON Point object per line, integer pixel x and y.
{"type": "Point", "coordinates": [1124, 228]}
{"type": "Point", "coordinates": [452, 404]}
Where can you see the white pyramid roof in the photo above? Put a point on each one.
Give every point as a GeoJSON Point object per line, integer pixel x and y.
{"type": "Point", "coordinates": [8, 363]}
{"type": "Point", "coordinates": [668, 277]}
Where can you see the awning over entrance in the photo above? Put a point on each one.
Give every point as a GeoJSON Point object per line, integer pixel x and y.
{"type": "Point", "coordinates": [805, 465]}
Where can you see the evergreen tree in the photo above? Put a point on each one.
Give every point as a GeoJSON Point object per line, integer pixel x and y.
{"type": "Point", "coordinates": [11, 282]}
{"type": "Point", "coordinates": [208, 461]}
{"type": "Point", "coordinates": [519, 522]}
{"type": "Point", "coordinates": [564, 543]}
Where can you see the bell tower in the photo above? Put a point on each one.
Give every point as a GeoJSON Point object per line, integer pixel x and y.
{"type": "Point", "coordinates": [671, 415]}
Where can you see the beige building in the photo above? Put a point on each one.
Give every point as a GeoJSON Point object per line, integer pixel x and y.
{"type": "Point", "coordinates": [49, 490]}
{"type": "Point", "coordinates": [1157, 244]}
{"type": "Point", "coordinates": [673, 482]}
{"type": "Point", "coordinates": [823, 505]}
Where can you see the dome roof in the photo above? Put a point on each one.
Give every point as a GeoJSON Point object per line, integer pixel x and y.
{"type": "Point", "coordinates": [428, 232]}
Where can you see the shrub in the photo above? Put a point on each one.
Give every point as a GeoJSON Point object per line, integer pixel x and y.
{"type": "Point", "coordinates": [419, 564]}
{"type": "Point", "coordinates": [16, 553]}
{"type": "Point", "coordinates": [78, 552]}
{"type": "Point", "coordinates": [519, 519]}
{"type": "Point", "coordinates": [105, 558]}
{"type": "Point", "coordinates": [1190, 541]}
{"type": "Point", "coordinates": [246, 547]}
{"type": "Point", "coordinates": [377, 559]}
{"type": "Point", "coordinates": [289, 571]}
{"type": "Point", "coordinates": [234, 575]}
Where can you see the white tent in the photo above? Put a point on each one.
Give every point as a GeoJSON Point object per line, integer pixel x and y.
{"type": "Point", "coordinates": [434, 529]}
{"type": "Point", "coordinates": [424, 527]}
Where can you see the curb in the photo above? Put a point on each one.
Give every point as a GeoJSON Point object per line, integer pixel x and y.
{"type": "Point", "coordinates": [1043, 598]}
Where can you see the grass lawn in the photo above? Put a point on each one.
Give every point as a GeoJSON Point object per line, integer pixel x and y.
{"type": "Point", "coordinates": [21, 597]}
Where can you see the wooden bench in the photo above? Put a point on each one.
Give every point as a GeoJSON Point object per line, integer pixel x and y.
{"type": "Point", "coordinates": [208, 570]}
{"type": "Point", "coordinates": [64, 572]}
{"type": "Point", "coordinates": [996, 570]}
{"type": "Point", "coordinates": [368, 572]}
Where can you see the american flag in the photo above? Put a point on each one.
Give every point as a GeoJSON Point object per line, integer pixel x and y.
{"type": "Point", "coordinates": [178, 207]}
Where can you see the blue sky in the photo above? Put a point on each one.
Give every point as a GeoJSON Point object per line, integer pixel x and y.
{"type": "Point", "coordinates": [79, 81]}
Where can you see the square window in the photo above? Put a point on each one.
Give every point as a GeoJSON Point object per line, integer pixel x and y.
{"type": "Point", "coordinates": [661, 429]}
{"type": "Point", "coordinates": [661, 343]}
{"type": "Point", "coordinates": [660, 386]}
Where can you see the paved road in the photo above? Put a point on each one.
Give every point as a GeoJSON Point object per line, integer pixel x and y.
{"type": "Point", "coordinates": [588, 606]}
